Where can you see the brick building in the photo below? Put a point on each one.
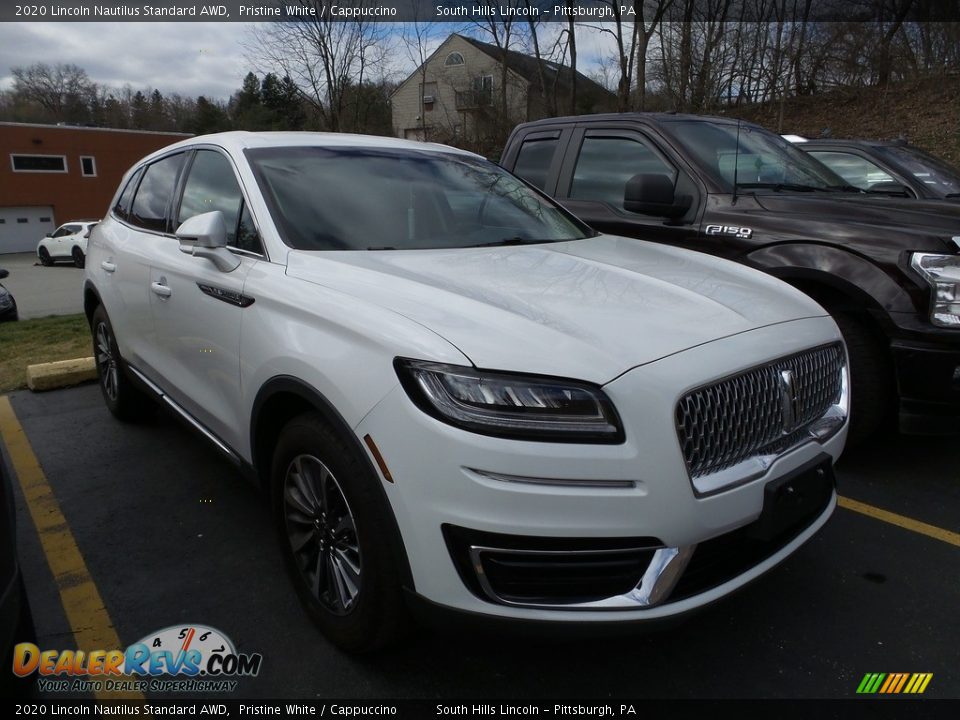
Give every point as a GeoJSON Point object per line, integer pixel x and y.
{"type": "Point", "coordinates": [51, 174]}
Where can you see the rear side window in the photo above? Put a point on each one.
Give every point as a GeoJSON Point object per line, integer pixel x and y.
{"type": "Point", "coordinates": [606, 163]}
{"type": "Point", "coordinates": [153, 197]}
{"type": "Point", "coordinates": [210, 186]}
{"type": "Point", "coordinates": [533, 160]}
{"type": "Point", "coordinates": [122, 208]}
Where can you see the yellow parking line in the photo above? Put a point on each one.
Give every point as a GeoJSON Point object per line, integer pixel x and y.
{"type": "Point", "coordinates": [937, 533]}
{"type": "Point", "coordinates": [89, 619]}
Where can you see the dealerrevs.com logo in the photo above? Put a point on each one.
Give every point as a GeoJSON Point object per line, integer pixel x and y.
{"type": "Point", "coordinates": [179, 658]}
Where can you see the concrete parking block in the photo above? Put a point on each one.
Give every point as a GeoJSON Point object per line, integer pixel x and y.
{"type": "Point", "coordinates": [49, 376]}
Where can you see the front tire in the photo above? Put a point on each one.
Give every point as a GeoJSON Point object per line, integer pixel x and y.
{"type": "Point", "coordinates": [872, 390]}
{"type": "Point", "coordinates": [45, 258]}
{"type": "Point", "coordinates": [330, 515]}
{"type": "Point", "coordinates": [123, 399]}
{"type": "Point", "coordinates": [78, 257]}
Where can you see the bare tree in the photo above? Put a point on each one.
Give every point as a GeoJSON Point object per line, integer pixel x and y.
{"type": "Point", "coordinates": [64, 90]}
{"type": "Point", "coordinates": [325, 57]}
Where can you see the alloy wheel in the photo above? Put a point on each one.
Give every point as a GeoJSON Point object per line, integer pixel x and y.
{"type": "Point", "coordinates": [106, 362]}
{"type": "Point", "coordinates": [322, 534]}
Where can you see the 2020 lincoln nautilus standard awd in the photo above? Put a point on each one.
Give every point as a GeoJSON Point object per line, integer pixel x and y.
{"type": "Point", "coordinates": [455, 393]}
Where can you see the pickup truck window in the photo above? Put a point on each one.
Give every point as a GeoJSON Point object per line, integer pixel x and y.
{"type": "Point", "coordinates": [939, 177]}
{"type": "Point", "coordinates": [856, 170]}
{"type": "Point", "coordinates": [533, 160]}
{"type": "Point", "coordinates": [367, 198]}
{"type": "Point", "coordinates": [606, 163]}
{"type": "Point", "coordinates": [762, 158]}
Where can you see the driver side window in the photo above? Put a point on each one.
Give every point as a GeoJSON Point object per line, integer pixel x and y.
{"type": "Point", "coordinates": [606, 163]}
{"type": "Point", "coordinates": [210, 186]}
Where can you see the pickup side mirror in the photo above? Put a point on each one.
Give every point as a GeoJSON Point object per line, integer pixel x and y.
{"type": "Point", "coordinates": [206, 236]}
{"type": "Point", "coordinates": [894, 189]}
{"type": "Point", "coordinates": [654, 194]}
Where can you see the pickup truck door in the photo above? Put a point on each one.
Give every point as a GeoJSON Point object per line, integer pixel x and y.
{"type": "Point", "coordinates": [593, 175]}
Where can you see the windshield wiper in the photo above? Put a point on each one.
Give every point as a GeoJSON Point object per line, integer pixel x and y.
{"type": "Point", "coordinates": [515, 240]}
{"type": "Point", "coordinates": [778, 187]}
{"type": "Point", "coordinates": [381, 247]}
{"type": "Point", "coordinates": [848, 188]}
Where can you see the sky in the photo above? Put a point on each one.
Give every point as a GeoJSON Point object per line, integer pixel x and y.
{"type": "Point", "coordinates": [187, 58]}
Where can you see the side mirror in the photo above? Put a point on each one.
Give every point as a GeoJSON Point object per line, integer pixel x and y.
{"type": "Point", "coordinates": [49, 235]}
{"type": "Point", "coordinates": [894, 189]}
{"type": "Point", "coordinates": [206, 236]}
{"type": "Point", "coordinates": [3, 273]}
{"type": "Point", "coordinates": [654, 194]}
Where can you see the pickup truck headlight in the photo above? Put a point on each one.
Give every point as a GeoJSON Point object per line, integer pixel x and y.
{"type": "Point", "coordinates": [942, 273]}
{"type": "Point", "coordinates": [507, 405]}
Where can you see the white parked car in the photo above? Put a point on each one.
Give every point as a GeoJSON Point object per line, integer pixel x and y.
{"type": "Point", "coordinates": [67, 242]}
{"type": "Point", "coordinates": [457, 394]}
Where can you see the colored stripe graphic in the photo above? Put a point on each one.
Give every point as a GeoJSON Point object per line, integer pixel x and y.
{"type": "Point", "coordinates": [894, 683]}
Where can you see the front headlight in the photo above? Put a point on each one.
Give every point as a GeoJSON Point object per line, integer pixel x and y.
{"type": "Point", "coordinates": [6, 301]}
{"type": "Point", "coordinates": [942, 273]}
{"type": "Point", "coordinates": [507, 405]}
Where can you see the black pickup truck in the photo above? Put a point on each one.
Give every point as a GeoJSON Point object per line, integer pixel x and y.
{"type": "Point", "coordinates": [887, 269]}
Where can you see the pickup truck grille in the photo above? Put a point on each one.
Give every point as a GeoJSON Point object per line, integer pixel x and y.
{"type": "Point", "coordinates": [762, 411]}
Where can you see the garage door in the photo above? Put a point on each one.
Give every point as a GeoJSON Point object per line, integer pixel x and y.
{"type": "Point", "coordinates": [22, 227]}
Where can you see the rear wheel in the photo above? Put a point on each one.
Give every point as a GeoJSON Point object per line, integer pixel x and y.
{"type": "Point", "coordinates": [78, 257]}
{"type": "Point", "coordinates": [45, 258]}
{"type": "Point", "coordinates": [126, 401]}
{"type": "Point", "coordinates": [330, 514]}
{"type": "Point", "coordinates": [872, 390]}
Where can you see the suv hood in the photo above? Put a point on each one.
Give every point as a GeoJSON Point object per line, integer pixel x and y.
{"type": "Point", "coordinates": [588, 309]}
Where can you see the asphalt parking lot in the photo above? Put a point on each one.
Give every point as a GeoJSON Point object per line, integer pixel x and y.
{"type": "Point", "coordinates": [42, 291]}
{"type": "Point", "coordinates": [171, 534]}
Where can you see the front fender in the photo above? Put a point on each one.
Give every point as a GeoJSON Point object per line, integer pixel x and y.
{"type": "Point", "coordinates": [841, 271]}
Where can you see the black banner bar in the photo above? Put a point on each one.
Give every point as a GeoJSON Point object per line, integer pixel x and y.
{"type": "Point", "coordinates": [462, 11]}
{"type": "Point", "coordinates": [852, 709]}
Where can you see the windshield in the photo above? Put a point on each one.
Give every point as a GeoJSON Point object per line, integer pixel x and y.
{"type": "Point", "coordinates": [935, 174]}
{"type": "Point", "coordinates": [763, 159]}
{"type": "Point", "coordinates": [325, 198]}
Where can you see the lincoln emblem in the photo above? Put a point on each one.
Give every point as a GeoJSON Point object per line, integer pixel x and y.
{"type": "Point", "coordinates": [788, 401]}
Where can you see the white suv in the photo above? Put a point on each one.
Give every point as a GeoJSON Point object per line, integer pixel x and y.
{"type": "Point", "coordinates": [455, 393]}
{"type": "Point", "coordinates": [68, 242]}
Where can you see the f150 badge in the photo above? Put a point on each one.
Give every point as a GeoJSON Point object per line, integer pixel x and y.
{"type": "Point", "coordinates": [732, 230]}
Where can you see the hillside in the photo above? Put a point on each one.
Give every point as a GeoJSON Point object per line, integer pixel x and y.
{"type": "Point", "coordinates": [925, 112]}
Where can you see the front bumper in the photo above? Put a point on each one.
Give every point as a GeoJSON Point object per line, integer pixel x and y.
{"type": "Point", "coordinates": [928, 379]}
{"type": "Point", "coordinates": [446, 477]}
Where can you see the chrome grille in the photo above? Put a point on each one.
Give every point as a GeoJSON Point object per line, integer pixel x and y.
{"type": "Point", "coordinates": [757, 412]}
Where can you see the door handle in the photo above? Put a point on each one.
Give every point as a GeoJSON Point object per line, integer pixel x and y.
{"type": "Point", "coordinates": [160, 289]}
{"type": "Point", "coordinates": [108, 266]}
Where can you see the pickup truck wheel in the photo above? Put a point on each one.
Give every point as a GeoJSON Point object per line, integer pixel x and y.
{"type": "Point", "coordinates": [78, 258]}
{"type": "Point", "coordinates": [871, 378]}
{"type": "Point", "coordinates": [45, 258]}
{"type": "Point", "coordinates": [123, 399]}
{"type": "Point", "coordinates": [328, 509]}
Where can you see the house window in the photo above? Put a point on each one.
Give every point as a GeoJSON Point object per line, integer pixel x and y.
{"type": "Point", "coordinates": [88, 166]}
{"type": "Point", "coordinates": [38, 163]}
{"type": "Point", "coordinates": [429, 95]}
{"type": "Point", "coordinates": [22, 220]}
{"type": "Point", "coordinates": [454, 58]}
